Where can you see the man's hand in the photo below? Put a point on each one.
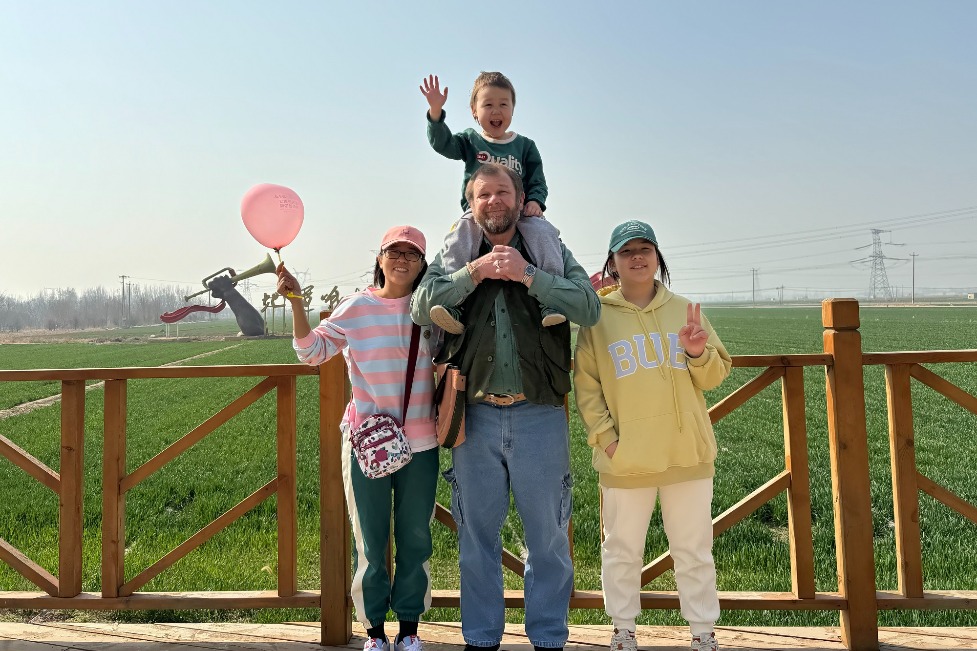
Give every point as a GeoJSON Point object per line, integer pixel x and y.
{"type": "Point", "coordinates": [532, 209]}
{"type": "Point", "coordinates": [610, 450]}
{"type": "Point", "coordinates": [501, 263]}
{"type": "Point", "coordinates": [509, 263]}
{"type": "Point", "coordinates": [692, 335]}
{"type": "Point", "coordinates": [431, 89]}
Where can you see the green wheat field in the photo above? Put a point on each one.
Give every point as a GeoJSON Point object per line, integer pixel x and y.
{"type": "Point", "coordinates": [238, 458]}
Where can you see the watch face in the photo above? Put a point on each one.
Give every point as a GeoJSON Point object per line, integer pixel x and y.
{"type": "Point", "coordinates": [530, 269]}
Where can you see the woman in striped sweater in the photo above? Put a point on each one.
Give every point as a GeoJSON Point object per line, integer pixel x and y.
{"type": "Point", "coordinates": [372, 329]}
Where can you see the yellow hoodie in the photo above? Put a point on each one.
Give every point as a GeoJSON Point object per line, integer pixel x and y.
{"type": "Point", "coordinates": [634, 384]}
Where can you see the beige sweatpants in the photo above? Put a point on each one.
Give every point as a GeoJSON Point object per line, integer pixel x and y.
{"type": "Point", "coordinates": [687, 515]}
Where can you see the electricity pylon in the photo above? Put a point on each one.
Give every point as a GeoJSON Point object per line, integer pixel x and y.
{"type": "Point", "coordinates": [878, 284]}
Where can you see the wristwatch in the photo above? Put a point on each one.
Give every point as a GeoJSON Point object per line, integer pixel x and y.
{"type": "Point", "coordinates": [528, 274]}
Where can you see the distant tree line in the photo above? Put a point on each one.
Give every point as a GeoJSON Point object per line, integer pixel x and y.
{"type": "Point", "coordinates": [59, 309]}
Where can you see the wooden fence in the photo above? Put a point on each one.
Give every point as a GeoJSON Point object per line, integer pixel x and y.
{"type": "Point", "coordinates": [857, 599]}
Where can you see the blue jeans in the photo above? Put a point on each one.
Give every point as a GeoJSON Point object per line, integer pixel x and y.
{"type": "Point", "coordinates": [525, 448]}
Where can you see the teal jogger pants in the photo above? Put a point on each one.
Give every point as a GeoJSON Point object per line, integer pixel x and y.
{"type": "Point", "coordinates": [409, 493]}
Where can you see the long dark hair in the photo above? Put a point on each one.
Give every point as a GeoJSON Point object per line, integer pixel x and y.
{"type": "Point", "coordinates": [662, 268]}
{"type": "Point", "coordinates": [379, 280]}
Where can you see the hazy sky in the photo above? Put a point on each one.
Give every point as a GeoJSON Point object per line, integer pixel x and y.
{"type": "Point", "coordinates": [751, 135]}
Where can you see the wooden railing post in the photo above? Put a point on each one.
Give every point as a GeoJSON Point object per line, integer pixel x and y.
{"type": "Point", "coordinates": [113, 497]}
{"type": "Point", "coordinates": [799, 491]}
{"type": "Point", "coordinates": [287, 490]}
{"type": "Point", "coordinates": [848, 442]}
{"type": "Point", "coordinates": [334, 537]}
{"type": "Point", "coordinates": [905, 490]}
{"type": "Point", "coordinates": [72, 479]}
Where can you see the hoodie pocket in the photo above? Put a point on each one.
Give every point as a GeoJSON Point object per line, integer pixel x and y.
{"type": "Point", "coordinates": [652, 445]}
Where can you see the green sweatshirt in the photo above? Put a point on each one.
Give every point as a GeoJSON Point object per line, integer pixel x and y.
{"type": "Point", "coordinates": [634, 384]}
{"type": "Point", "coordinates": [516, 152]}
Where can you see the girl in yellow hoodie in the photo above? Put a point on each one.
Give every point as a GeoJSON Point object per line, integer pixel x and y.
{"type": "Point", "coordinates": [639, 375]}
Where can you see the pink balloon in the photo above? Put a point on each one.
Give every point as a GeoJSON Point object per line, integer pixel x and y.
{"type": "Point", "coordinates": [273, 214]}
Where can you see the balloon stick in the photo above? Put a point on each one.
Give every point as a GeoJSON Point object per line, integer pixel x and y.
{"type": "Point", "coordinates": [279, 254]}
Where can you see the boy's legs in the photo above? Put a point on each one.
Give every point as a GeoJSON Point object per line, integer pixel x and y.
{"type": "Point", "coordinates": [460, 247]}
{"type": "Point", "coordinates": [687, 516]}
{"type": "Point", "coordinates": [626, 513]}
{"type": "Point", "coordinates": [543, 241]}
{"type": "Point", "coordinates": [461, 244]}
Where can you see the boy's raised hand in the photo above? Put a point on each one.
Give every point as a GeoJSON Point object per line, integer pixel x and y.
{"type": "Point", "coordinates": [692, 335]}
{"type": "Point", "coordinates": [431, 89]}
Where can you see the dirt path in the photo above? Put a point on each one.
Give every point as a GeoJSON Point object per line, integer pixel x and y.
{"type": "Point", "coordinates": [27, 407]}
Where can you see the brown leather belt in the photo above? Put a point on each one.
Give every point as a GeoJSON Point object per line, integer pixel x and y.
{"type": "Point", "coordinates": [504, 399]}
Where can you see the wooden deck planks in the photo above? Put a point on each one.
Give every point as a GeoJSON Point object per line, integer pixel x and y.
{"type": "Point", "coordinates": [438, 636]}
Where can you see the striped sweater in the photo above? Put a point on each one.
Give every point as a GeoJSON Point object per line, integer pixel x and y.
{"type": "Point", "coordinates": [373, 334]}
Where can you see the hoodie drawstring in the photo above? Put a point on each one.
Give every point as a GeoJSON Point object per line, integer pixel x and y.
{"type": "Point", "coordinates": [671, 377]}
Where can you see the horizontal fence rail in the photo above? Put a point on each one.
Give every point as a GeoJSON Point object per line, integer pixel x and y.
{"type": "Point", "coordinates": [64, 590]}
{"type": "Point", "coordinates": [857, 599]}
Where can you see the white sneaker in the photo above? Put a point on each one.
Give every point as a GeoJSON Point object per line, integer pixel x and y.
{"type": "Point", "coordinates": [410, 643]}
{"type": "Point", "coordinates": [705, 642]}
{"type": "Point", "coordinates": [623, 640]}
{"type": "Point", "coordinates": [376, 644]}
{"type": "Point", "coordinates": [444, 320]}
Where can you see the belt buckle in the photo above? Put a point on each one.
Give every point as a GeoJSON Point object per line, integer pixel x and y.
{"type": "Point", "coordinates": [502, 400]}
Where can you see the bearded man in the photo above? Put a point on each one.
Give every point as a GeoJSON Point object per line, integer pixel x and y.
{"type": "Point", "coordinates": [516, 433]}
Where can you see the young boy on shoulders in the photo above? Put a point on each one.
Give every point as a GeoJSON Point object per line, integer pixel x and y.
{"type": "Point", "coordinates": [493, 99]}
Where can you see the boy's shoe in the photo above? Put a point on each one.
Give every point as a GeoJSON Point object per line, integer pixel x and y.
{"type": "Point", "coordinates": [623, 640]}
{"type": "Point", "coordinates": [376, 644]}
{"type": "Point", "coordinates": [551, 317]}
{"type": "Point", "coordinates": [447, 319]}
{"type": "Point", "coordinates": [705, 643]}
{"type": "Point", "coordinates": [410, 643]}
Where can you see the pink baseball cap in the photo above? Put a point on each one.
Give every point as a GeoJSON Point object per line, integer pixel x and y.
{"type": "Point", "coordinates": [407, 235]}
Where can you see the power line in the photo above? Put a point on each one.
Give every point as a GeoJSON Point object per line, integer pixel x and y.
{"type": "Point", "coordinates": [809, 236]}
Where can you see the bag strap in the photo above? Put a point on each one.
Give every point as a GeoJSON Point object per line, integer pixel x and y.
{"type": "Point", "coordinates": [415, 340]}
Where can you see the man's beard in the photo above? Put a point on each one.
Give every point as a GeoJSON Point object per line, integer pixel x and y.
{"type": "Point", "coordinates": [497, 223]}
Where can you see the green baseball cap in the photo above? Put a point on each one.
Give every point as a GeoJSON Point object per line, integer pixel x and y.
{"type": "Point", "coordinates": [629, 230]}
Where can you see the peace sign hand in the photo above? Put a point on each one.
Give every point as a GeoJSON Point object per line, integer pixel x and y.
{"type": "Point", "coordinates": [692, 335]}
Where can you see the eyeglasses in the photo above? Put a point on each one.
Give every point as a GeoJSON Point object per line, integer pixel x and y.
{"type": "Point", "coordinates": [394, 254]}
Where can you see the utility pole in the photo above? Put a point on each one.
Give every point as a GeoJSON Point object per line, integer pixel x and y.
{"type": "Point", "coordinates": [122, 299]}
{"type": "Point", "coordinates": [913, 256]}
{"type": "Point", "coordinates": [753, 272]}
